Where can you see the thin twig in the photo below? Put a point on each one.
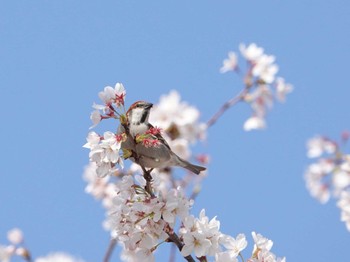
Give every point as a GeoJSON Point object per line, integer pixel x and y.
{"type": "Point", "coordinates": [239, 97]}
{"type": "Point", "coordinates": [110, 249]}
{"type": "Point", "coordinates": [241, 256]}
{"type": "Point", "coordinates": [27, 256]}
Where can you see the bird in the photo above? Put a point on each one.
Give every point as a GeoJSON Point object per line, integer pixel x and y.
{"type": "Point", "coordinates": [157, 156]}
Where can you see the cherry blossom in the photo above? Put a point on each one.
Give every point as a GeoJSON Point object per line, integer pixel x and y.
{"type": "Point", "coordinates": [254, 122]}
{"type": "Point", "coordinates": [95, 118]}
{"type": "Point", "coordinates": [225, 256]}
{"type": "Point", "coordinates": [229, 64]}
{"type": "Point", "coordinates": [265, 69]}
{"type": "Point", "coordinates": [101, 188]}
{"type": "Point", "coordinates": [262, 250]}
{"type": "Point", "coordinates": [113, 101]}
{"type": "Point", "coordinates": [15, 236]}
{"type": "Point", "coordinates": [113, 95]}
{"type": "Point", "coordinates": [234, 246]}
{"type": "Point", "coordinates": [251, 52]}
{"type": "Point", "coordinates": [344, 205]}
{"type": "Point", "coordinates": [201, 236]}
{"type": "Point", "coordinates": [329, 175]}
{"type": "Point", "coordinates": [314, 177]}
{"type": "Point", "coordinates": [6, 253]}
{"type": "Point", "coordinates": [15, 247]}
{"type": "Point", "coordinates": [320, 145]}
{"type": "Point", "coordinates": [282, 89]}
{"type": "Point", "coordinates": [262, 86]}
{"type": "Point", "coordinates": [58, 257]}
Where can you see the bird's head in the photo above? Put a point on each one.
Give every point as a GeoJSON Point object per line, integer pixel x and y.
{"type": "Point", "coordinates": [138, 112]}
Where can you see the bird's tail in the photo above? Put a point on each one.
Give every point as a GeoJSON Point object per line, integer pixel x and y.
{"type": "Point", "coordinates": [193, 168]}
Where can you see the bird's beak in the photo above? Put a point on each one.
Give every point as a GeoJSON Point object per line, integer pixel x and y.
{"type": "Point", "coordinates": [149, 105]}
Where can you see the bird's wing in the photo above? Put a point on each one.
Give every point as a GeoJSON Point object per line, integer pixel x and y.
{"type": "Point", "coordinates": [160, 137]}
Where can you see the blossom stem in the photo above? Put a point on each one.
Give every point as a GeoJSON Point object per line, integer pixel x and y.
{"type": "Point", "coordinates": [239, 97]}
{"type": "Point", "coordinates": [28, 257]}
{"type": "Point", "coordinates": [241, 256]}
{"type": "Point", "coordinates": [110, 249]}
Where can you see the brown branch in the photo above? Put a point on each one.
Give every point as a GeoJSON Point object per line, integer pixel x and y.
{"type": "Point", "coordinates": [202, 259]}
{"type": "Point", "coordinates": [147, 176]}
{"type": "Point", "coordinates": [27, 256]}
{"type": "Point", "coordinates": [110, 249]}
{"type": "Point", "coordinates": [173, 237]}
{"type": "Point", "coordinates": [239, 97]}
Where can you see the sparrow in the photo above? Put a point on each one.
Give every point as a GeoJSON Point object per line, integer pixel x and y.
{"type": "Point", "coordinates": [157, 156]}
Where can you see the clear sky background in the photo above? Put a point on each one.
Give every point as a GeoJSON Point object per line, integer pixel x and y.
{"type": "Point", "coordinates": [55, 56]}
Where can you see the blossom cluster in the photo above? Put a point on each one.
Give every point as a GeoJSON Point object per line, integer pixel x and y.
{"type": "Point", "coordinates": [17, 248]}
{"type": "Point", "coordinates": [58, 257]}
{"type": "Point", "coordinates": [180, 128]}
{"type": "Point", "coordinates": [262, 85]}
{"type": "Point", "coordinates": [203, 238]}
{"type": "Point", "coordinates": [329, 175]}
{"type": "Point", "coordinates": [105, 150]}
{"type": "Point", "coordinates": [113, 99]}
{"type": "Point", "coordinates": [141, 223]}
{"type": "Point", "coordinates": [140, 220]}
{"type": "Point", "coordinates": [262, 250]}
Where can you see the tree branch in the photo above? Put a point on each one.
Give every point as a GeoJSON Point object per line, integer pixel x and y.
{"type": "Point", "coordinates": [147, 176]}
{"type": "Point", "coordinates": [110, 249]}
{"type": "Point", "coordinates": [239, 97]}
{"type": "Point", "coordinates": [173, 237]}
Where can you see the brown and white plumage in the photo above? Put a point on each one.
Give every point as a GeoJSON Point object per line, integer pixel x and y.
{"type": "Point", "coordinates": [160, 156]}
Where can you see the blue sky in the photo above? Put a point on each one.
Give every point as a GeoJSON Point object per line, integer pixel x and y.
{"type": "Point", "coordinates": [55, 56]}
